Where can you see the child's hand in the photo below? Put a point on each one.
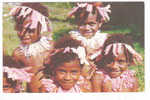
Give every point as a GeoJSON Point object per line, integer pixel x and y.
{"type": "Point", "coordinates": [136, 55]}
{"type": "Point", "coordinates": [36, 85]}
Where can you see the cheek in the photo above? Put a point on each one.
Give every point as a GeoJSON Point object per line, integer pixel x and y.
{"type": "Point", "coordinates": [123, 67]}
{"type": "Point", "coordinates": [59, 76]}
{"type": "Point", "coordinates": [95, 28]}
{"type": "Point", "coordinates": [35, 36]}
{"type": "Point", "coordinates": [80, 28]}
{"type": "Point", "coordinates": [76, 77]}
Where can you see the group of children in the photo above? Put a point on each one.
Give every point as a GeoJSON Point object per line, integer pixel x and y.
{"type": "Point", "coordinates": [85, 60]}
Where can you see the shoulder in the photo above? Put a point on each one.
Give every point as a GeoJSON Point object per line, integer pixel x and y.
{"type": "Point", "coordinates": [98, 77]}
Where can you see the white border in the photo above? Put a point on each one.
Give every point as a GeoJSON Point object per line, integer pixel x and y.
{"type": "Point", "coordinates": [86, 96]}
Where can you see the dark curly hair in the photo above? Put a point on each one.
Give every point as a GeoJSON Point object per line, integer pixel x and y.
{"type": "Point", "coordinates": [36, 6]}
{"type": "Point", "coordinates": [60, 57]}
{"type": "Point", "coordinates": [81, 15]}
{"type": "Point", "coordinates": [115, 38]}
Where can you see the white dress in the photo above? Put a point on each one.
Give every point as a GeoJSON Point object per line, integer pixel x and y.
{"type": "Point", "coordinates": [93, 45]}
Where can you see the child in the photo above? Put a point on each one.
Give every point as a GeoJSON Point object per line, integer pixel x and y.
{"type": "Point", "coordinates": [89, 18]}
{"type": "Point", "coordinates": [8, 84]}
{"type": "Point", "coordinates": [113, 74]}
{"type": "Point", "coordinates": [13, 79]}
{"type": "Point", "coordinates": [31, 20]}
{"type": "Point", "coordinates": [64, 69]}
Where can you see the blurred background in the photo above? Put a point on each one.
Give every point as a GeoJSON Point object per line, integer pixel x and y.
{"type": "Point", "coordinates": [126, 18]}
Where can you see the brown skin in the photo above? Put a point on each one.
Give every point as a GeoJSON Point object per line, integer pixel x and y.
{"type": "Point", "coordinates": [36, 85]}
{"type": "Point", "coordinates": [22, 60]}
{"type": "Point", "coordinates": [36, 62]}
{"type": "Point", "coordinates": [97, 82]}
{"type": "Point", "coordinates": [90, 26]}
{"type": "Point", "coordinates": [68, 74]}
{"type": "Point", "coordinates": [7, 88]}
{"type": "Point", "coordinates": [115, 69]}
{"type": "Point", "coordinates": [98, 86]}
{"type": "Point", "coordinates": [29, 36]}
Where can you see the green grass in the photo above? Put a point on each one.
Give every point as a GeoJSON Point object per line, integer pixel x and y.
{"type": "Point", "coordinates": [58, 12]}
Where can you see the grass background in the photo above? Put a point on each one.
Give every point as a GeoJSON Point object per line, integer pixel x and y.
{"type": "Point", "coordinates": [60, 25]}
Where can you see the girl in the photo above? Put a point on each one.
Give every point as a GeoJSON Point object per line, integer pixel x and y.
{"type": "Point", "coordinates": [113, 74]}
{"type": "Point", "coordinates": [89, 19]}
{"type": "Point", "coordinates": [31, 20]}
{"type": "Point", "coordinates": [64, 69]}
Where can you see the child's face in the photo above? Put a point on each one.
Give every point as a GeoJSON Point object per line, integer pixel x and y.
{"type": "Point", "coordinates": [28, 36]}
{"type": "Point", "coordinates": [119, 65]}
{"type": "Point", "coordinates": [89, 27]}
{"type": "Point", "coordinates": [68, 74]}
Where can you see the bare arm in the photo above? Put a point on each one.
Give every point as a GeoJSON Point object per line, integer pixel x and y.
{"type": "Point", "coordinates": [97, 81]}
{"type": "Point", "coordinates": [16, 56]}
{"type": "Point", "coordinates": [135, 86]}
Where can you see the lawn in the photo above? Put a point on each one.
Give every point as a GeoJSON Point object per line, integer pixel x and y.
{"type": "Point", "coordinates": [60, 25]}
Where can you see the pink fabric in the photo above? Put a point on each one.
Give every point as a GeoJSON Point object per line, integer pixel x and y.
{"type": "Point", "coordinates": [18, 74]}
{"type": "Point", "coordinates": [33, 16]}
{"type": "Point", "coordinates": [103, 11]}
{"type": "Point", "coordinates": [117, 49]}
{"type": "Point", "coordinates": [53, 88]}
{"type": "Point", "coordinates": [125, 80]}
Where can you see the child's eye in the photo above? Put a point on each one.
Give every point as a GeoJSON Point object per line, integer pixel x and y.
{"type": "Point", "coordinates": [121, 61]}
{"type": "Point", "coordinates": [31, 30]}
{"type": "Point", "coordinates": [6, 86]}
{"type": "Point", "coordinates": [74, 72]}
{"type": "Point", "coordinates": [92, 24]}
{"type": "Point", "coordinates": [62, 71]}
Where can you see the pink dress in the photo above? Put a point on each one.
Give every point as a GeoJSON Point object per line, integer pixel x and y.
{"type": "Point", "coordinates": [125, 80]}
{"type": "Point", "coordinates": [51, 87]}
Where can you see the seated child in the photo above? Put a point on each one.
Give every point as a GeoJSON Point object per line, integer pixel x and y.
{"type": "Point", "coordinates": [64, 70]}
{"type": "Point", "coordinates": [89, 18]}
{"type": "Point", "coordinates": [13, 79]}
{"type": "Point", "coordinates": [113, 74]}
{"type": "Point", "coordinates": [31, 20]}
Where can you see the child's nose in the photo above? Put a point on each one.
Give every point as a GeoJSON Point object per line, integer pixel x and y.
{"type": "Point", "coordinates": [115, 65]}
{"type": "Point", "coordinates": [26, 34]}
{"type": "Point", "coordinates": [68, 76]}
{"type": "Point", "coordinates": [86, 26]}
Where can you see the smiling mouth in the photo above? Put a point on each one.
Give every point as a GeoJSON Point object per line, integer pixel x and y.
{"type": "Point", "coordinates": [26, 39]}
{"type": "Point", "coordinates": [88, 31]}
